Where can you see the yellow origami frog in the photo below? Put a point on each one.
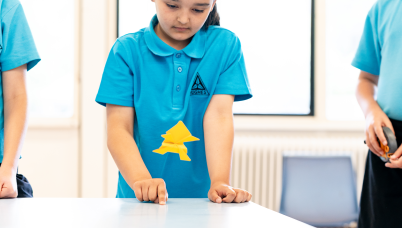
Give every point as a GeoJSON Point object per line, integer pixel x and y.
{"type": "Point", "coordinates": [174, 141]}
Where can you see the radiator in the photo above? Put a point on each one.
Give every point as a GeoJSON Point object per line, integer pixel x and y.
{"type": "Point", "coordinates": [257, 162]}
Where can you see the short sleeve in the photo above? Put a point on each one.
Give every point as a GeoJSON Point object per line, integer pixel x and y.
{"type": "Point", "coordinates": [117, 80]}
{"type": "Point", "coordinates": [233, 80]}
{"type": "Point", "coordinates": [368, 55]}
{"type": "Point", "coordinates": [18, 46]}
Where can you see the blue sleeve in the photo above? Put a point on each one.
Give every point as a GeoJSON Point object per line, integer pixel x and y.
{"type": "Point", "coordinates": [18, 46]}
{"type": "Point", "coordinates": [233, 80]}
{"type": "Point", "coordinates": [117, 80]}
{"type": "Point", "coordinates": [368, 55]}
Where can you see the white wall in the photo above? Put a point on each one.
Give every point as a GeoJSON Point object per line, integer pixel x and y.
{"type": "Point", "coordinates": [68, 157]}
{"type": "Point", "coordinates": [51, 162]}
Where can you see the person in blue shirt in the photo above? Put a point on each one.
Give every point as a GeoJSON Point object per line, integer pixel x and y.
{"type": "Point", "coordinates": [17, 55]}
{"type": "Point", "coordinates": [379, 93]}
{"type": "Point", "coordinates": [183, 67]}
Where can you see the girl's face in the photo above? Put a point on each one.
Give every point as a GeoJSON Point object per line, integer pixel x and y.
{"type": "Point", "coordinates": [181, 19]}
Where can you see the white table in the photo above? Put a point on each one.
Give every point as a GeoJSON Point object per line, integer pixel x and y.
{"type": "Point", "coordinates": [188, 213]}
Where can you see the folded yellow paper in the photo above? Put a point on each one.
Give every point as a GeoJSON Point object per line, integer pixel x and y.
{"type": "Point", "coordinates": [174, 141]}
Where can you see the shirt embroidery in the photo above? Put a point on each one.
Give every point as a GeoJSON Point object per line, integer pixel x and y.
{"type": "Point", "coordinates": [199, 87]}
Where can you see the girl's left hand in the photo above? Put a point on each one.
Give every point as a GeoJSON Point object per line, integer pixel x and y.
{"type": "Point", "coordinates": [396, 160]}
{"type": "Point", "coordinates": [221, 192]}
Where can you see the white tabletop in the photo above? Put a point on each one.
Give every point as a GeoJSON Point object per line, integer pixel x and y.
{"type": "Point", "coordinates": [189, 213]}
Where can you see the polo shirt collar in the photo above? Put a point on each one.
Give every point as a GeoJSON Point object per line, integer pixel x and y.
{"type": "Point", "coordinates": [195, 49]}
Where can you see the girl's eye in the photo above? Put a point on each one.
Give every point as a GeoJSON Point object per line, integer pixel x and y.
{"type": "Point", "coordinates": [198, 11]}
{"type": "Point", "coordinates": [171, 6]}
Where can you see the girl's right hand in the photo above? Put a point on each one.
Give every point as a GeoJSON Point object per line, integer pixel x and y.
{"type": "Point", "coordinates": [375, 120]}
{"type": "Point", "coordinates": [8, 184]}
{"type": "Point", "coordinates": [151, 190]}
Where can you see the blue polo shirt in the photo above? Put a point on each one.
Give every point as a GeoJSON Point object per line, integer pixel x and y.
{"type": "Point", "coordinates": [17, 48]}
{"type": "Point", "coordinates": [380, 53]}
{"type": "Point", "coordinates": [165, 86]}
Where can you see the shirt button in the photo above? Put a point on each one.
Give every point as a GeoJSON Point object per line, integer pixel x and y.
{"type": "Point", "coordinates": [178, 55]}
{"type": "Point", "coordinates": [178, 88]}
{"type": "Point", "coordinates": [180, 69]}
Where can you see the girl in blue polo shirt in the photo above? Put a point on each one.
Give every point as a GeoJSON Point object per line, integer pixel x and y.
{"type": "Point", "coordinates": [379, 58]}
{"type": "Point", "coordinates": [183, 67]}
{"type": "Point", "coordinates": [17, 55]}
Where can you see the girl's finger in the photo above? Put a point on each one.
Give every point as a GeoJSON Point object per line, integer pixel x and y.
{"type": "Point", "coordinates": [153, 193]}
{"type": "Point", "coordinates": [214, 197]}
{"type": "Point", "coordinates": [157, 200]}
{"type": "Point", "coordinates": [230, 195]}
{"type": "Point", "coordinates": [162, 193]}
{"type": "Point", "coordinates": [380, 134]}
{"type": "Point", "coordinates": [239, 197]}
{"type": "Point", "coordinates": [145, 189]}
{"type": "Point", "coordinates": [397, 163]}
{"type": "Point", "coordinates": [7, 193]}
{"type": "Point", "coordinates": [397, 154]}
{"type": "Point", "coordinates": [245, 196]}
{"type": "Point", "coordinates": [368, 143]}
{"type": "Point", "coordinates": [373, 141]}
{"type": "Point", "coordinates": [138, 192]}
{"type": "Point", "coordinates": [1, 190]}
{"type": "Point", "coordinates": [12, 194]}
{"type": "Point", "coordinates": [249, 197]}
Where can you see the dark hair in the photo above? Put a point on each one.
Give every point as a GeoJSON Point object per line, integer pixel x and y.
{"type": "Point", "coordinates": [213, 18]}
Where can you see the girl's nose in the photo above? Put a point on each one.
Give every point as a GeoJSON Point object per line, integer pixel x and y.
{"type": "Point", "coordinates": [183, 18]}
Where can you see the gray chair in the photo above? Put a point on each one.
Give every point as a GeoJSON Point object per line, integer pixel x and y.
{"type": "Point", "coordinates": [319, 190]}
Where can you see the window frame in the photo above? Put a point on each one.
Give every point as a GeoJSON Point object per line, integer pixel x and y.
{"type": "Point", "coordinates": [74, 120]}
{"type": "Point", "coordinates": [312, 103]}
{"type": "Point", "coordinates": [316, 121]}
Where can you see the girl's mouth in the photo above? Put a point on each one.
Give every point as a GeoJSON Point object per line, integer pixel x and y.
{"type": "Point", "coordinates": [180, 29]}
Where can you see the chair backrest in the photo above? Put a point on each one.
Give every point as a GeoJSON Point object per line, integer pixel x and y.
{"type": "Point", "coordinates": [319, 190]}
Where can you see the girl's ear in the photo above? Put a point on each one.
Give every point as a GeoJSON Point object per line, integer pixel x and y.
{"type": "Point", "coordinates": [213, 6]}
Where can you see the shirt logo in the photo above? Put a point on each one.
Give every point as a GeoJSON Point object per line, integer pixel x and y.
{"type": "Point", "coordinates": [199, 87]}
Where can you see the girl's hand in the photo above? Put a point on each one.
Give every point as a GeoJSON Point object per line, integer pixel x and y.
{"type": "Point", "coordinates": [396, 160]}
{"type": "Point", "coordinates": [8, 184]}
{"type": "Point", "coordinates": [374, 123]}
{"type": "Point", "coordinates": [221, 192]}
{"type": "Point", "coordinates": [151, 190]}
{"type": "Point", "coordinates": [375, 120]}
